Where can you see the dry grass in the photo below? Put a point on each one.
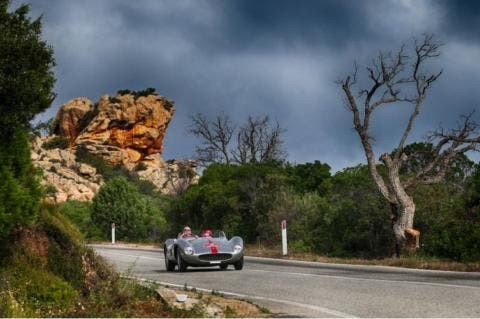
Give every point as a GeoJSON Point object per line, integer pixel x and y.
{"type": "Point", "coordinates": [418, 262]}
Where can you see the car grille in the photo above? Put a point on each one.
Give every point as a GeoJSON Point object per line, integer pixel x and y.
{"type": "Point", "coordinates": [215, 257]}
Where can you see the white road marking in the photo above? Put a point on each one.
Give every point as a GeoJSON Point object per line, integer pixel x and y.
{"type": "Point", "coordinates": [234, 294]}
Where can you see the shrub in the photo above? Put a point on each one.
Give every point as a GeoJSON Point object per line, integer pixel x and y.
{"type": "Point", "coordinates": [110, 172]}
{"type": "Point", "coordinates": [140, 167]}
{"type": "Point", "coordinates": [50, 189]}
{"type": "Point", "coordinates": [29, 291]}
{"type": "Point", "coordinates": [120, 202]}
{"type": "Point", "coordinates": [20, 191]}
{"type": "Point", "coordinates": [60, 142]}
{"type": "Point", "coordinates": [113, 99]}
{"type": "Point", "coordinates": [124, 91]}
{"type": "Point", "coordinates": [80, 214]}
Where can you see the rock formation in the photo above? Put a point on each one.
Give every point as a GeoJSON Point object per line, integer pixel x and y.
{"type": "Point", "coordinates": [127, 129]}
{"type": "Point", "coordinates": [69, 116]}
{"type": "Point", "coordinates": [69, 179]}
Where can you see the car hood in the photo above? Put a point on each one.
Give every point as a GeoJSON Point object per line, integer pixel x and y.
{"type": "Point", "coordinates": [203, 244]}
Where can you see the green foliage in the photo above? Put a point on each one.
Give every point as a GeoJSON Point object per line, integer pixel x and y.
{"type": "Point", "coordinates": [135, 216]}
{"type": "Point", "coordinates": [230, 197]}
{"type": "Point", "coordinates": [26, 83]}
{"type": "Point", "coordinates": [60, 142]}
{"type": "Point", "coordinates": [450, 226]}
{"type": "Point", "coordinates": [26, 77]}
{"type": "Point", "coordinates": [124, 91]}
{"type": "Point", "coordinates": [110, 172]}
{"type": "Point", "coordinates": [113, 99]}
{"type": "Point", "coordinates": [79, 213]}
{"type": "Point", "coordinates": [137, 94]}
{"type": "Point", "coordinates": [420, 154]}
{"type": "Point", "coordinates": [50, 190]}
{"type": "Point", "coordinates": [140, 167]}
{"type": "Point", "coordinates": [26, 291]}
{"type": "Point", "coordinates": [19, 187]}
{"type": "Point", "coordinates": [308, 177]}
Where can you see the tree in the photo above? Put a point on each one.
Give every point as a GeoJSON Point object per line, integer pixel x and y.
{"type": "Point", "coordinates": [399, 78]}
{"type": "Point", "coordinates": [26, 83]}
{"type": "Point", "coordinates": [26, 77]}
{"type": "Point", "coordinates": [120, 202]}
{"type": "Point", "coordinates": [308, 177]}
{"type": "Point", "coordinates": [257, 141]}
{"type": "Point", "coordinates": [215, 135]}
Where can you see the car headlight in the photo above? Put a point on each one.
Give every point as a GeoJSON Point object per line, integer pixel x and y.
{"type": "Point", "coordinates": [188, 251]}
{"type": "Point", "coordinates": [237, 249]}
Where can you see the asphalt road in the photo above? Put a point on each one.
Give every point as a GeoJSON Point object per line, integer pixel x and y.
{"type": "Point", "coordinates": [320, 290]}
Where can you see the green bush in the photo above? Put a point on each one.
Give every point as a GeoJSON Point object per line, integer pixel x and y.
{"type": "Point", "coordinates": [60, 142]}
{"type": "Point", "coordinates": [140, 167]}
{"type": "Point", "coordinates": [110, 172]}
{"type": "Point", "coordinates": [120, 202]}
{"type": "Point", "coordinates": [79, 213]}
{"type": "Point", "coordinates": [50, 190]}
{"type": "Point", "coordinates": [20, 190]}
{"type": "Point", "coordinates": [449, 227]}
{"type": "Point", "coordinates": [27, 291]}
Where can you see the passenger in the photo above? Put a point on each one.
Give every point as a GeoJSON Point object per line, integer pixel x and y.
{"type": "Point", "coordinates": [207, 233]}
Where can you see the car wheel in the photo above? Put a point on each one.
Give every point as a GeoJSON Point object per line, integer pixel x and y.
{"type": "Point", "coordinates": [239, 264]}
{"type": "Point", "coordinates": [181, 264]}
{"type": "Point", "coordinates": [223, 266]}
{"type": "Point", "coordinates": [169, 265]}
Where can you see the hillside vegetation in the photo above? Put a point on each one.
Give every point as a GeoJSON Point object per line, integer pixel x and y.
{"type": "Point", "coordinates": [47, 271]}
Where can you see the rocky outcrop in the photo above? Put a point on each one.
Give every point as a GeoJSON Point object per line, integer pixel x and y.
{"type": "Point", "coordinates": [62, 176]}
{"type": "Point", "coordinates": [68, 121]}
{"type": "Point", "coordinates": [171, 177]}
{"type": "Point", "coordinates": [123, 129]}
{"type": "Point", "coordinates": [127, 129]}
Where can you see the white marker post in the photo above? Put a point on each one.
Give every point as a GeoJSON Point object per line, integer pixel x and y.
{"type": "Point", "coordinates": [284, 237]}
{"type": "Point", "coordinates": [113, 233]}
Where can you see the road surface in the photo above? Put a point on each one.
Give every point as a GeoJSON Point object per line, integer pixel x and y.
{"type": "Point", "coordinates": [307, 289]}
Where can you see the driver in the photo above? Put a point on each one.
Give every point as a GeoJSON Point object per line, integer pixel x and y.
{"type": "Point", "coordinates": [187, 232]}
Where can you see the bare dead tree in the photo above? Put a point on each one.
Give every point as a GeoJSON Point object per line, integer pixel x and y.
{"type": "Point", "coordinates": [257, 141]}
{"type": "Point", "coordinates": [215, 138]}
{"type": "Point", "coordinates": [400, 78]}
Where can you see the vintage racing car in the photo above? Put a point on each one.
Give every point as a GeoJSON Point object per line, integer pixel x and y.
{"type": "Point", "coordinates": [194, 251]}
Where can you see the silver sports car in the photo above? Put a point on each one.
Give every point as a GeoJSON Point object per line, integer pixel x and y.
{"type": "Point", "coordinates": [216, 250]}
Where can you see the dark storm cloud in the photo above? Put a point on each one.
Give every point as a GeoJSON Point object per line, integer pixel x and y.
{"type": "Point", "coordinates": [261, 57]}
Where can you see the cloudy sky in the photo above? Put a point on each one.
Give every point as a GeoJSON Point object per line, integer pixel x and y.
{"type": "Point", "coordinates": [277, 58]}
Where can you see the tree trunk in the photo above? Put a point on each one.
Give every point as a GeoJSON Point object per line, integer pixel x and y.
{"type": "Point", "coordinates": [407, 238]}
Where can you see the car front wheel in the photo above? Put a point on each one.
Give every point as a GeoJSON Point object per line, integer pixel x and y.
{"type": "Point", "coordinates": [239, 264]}
{"type": "Point", "coordinates": [181, 264]}
{"type": "Point", "coordinates": [169, 265]}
